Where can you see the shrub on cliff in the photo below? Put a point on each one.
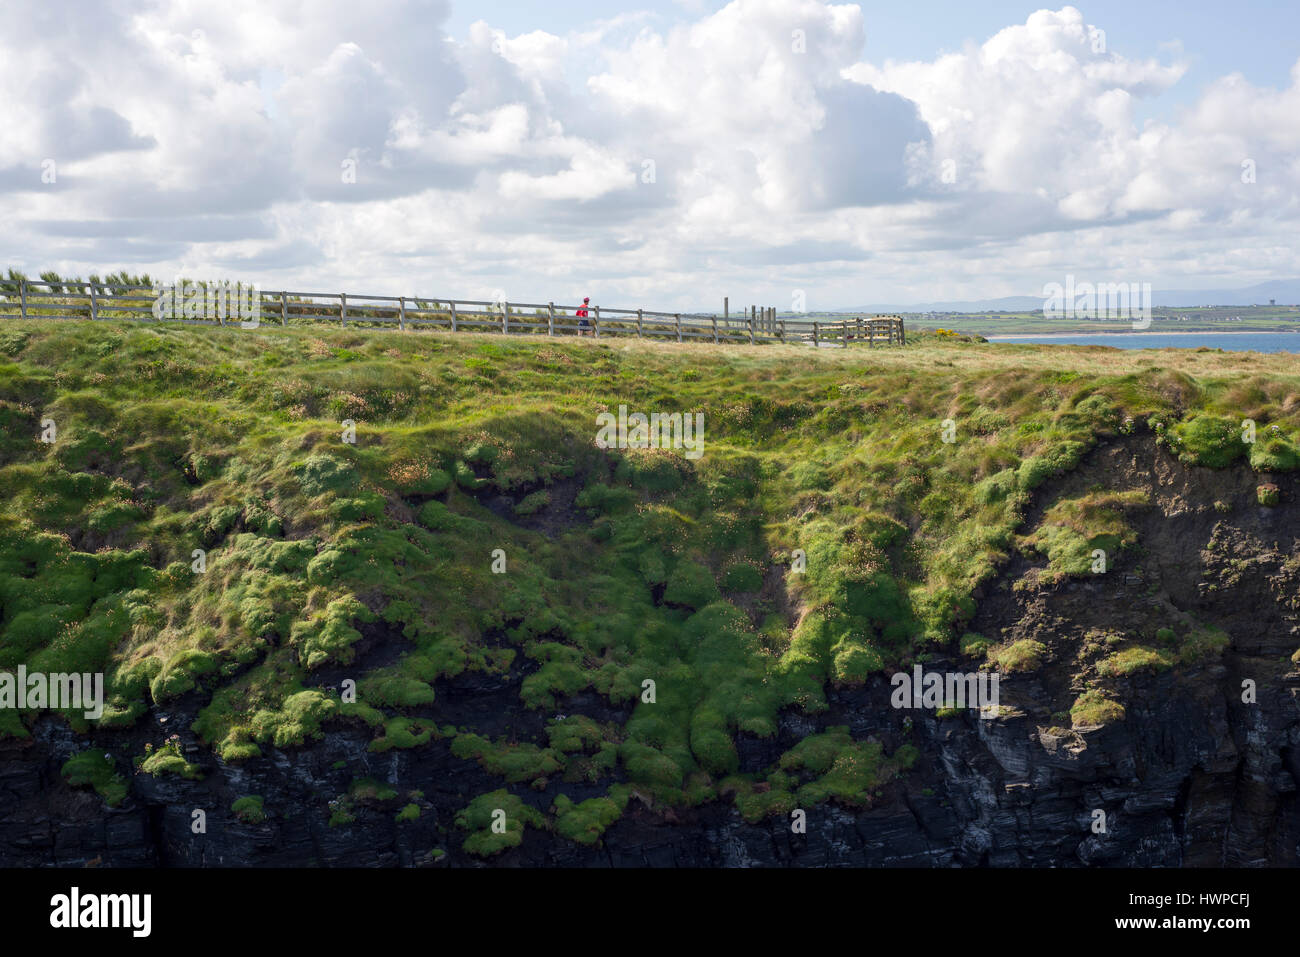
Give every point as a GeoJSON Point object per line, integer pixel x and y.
{"type": "Point", "coordinates": [1209, 440]}
{"type": "Point", "coordinates": [691, 584]}
{"type": "Point", "coordinates": [1272, 453]}
{"type": "Point", "coordinates": [249, 809]}
{"type": "Point", "coordinates": [496, 822]}
{"type": "Point", "coordinates": [1023, 655]}
{"type": "Point", "coordinates": [1132, 661]}
{"type": "Point", "coordinates": [1094, 708]}
{"type": "Point", "coordinates": [98, 770]}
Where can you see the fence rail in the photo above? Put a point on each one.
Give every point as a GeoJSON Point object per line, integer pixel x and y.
{"type": "Point", "coordinates": [219, 304]}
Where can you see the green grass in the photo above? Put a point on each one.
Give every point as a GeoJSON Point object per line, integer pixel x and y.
{"type": "Point", "coordinates": [621, 567]}
{"type": "Point", "coordinates": [249, 809]}
{"type": "Point", "coordinates": [586, 822]}
{"type": "Point", "coordinates": [1094, 708]}
{"type": "Point", "coordinates": [1074, 530]}
{"type": "Point", "coordinates": [1203, 642]}
{"type": "Point", "coordinates": [1204, 439]}
{"type": "Point", "coordinates": [834, 765]}
{"type": "Point", "coordinates": [1133, 661]}
{"type": "Point", "coordinates": [96, 769]}
{"type": "Point", "coordinates": [1023, 655]}
{"type": "Point", "coordinates": [495, 822]}
{"type": "Point", "coordinates": [168, 761]}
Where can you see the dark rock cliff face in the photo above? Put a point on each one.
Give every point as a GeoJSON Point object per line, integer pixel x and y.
{"type": "Point", "coordinates": [1192, 776]}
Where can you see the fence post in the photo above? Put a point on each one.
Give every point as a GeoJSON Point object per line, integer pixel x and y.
{"type": "Point", "coordinates": [679, 326]}
{"type": "Point", "coordinates": [751, 328]}
{"type": "Point", "coordinates": [401, 313]}
{"type": "Point", "coordinates": [22, 296]}
{"type": "Point", "coordinates": [715, 328]}
{"type": "Point", "coordinates": [452, 302]}
{"type": "Point", "coordinates": [815, 340]}
{"type": "Point", "coordinates": [94, 305]}
{"type": "Point", "coordinates": [595, 322]}
{"type": "Point", "coordinates": [550, 318]}
{"type": "Point", "coordinates": [505, 317]}
{"type": "Point", "coordinates": [902, 334]}
{"type": "Point", "coordinates": [638, 323]}
{"type": "Point", "coordinates": [343, 308]}
{"type": "Point", "coordinates": [284, 308]}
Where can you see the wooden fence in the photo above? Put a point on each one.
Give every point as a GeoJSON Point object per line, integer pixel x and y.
{"type": "Point", "coordinates": [227, 304]}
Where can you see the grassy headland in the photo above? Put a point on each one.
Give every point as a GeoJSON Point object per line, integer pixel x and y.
{"type": "Point", "coordinates": [473, 525]}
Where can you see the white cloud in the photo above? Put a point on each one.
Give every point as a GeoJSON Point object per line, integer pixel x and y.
{"type": "Point", "coordinates": [593, 173]}
{"type": "Point", "coordinates": [201, 137]}
{"type": "Point", "coordinates": [1035, 109]}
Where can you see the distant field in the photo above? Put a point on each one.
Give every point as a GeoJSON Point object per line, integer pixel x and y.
{"type": "Point", "coordinates": [1199, 319]}
{"type": "Point", "coordinates": [1231, 319]}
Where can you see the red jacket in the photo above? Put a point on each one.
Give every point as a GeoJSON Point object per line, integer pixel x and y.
{"type": "Point", "coordinates": [582, 312]}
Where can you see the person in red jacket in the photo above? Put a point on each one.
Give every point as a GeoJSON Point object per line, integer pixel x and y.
{"type": "Point", "coordinates": [583, 325]}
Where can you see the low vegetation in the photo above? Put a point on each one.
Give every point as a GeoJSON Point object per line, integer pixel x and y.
{"type": "Point", "coordinates": [97, 770]}
{"type": "Point", "coordinates": [205, 526]}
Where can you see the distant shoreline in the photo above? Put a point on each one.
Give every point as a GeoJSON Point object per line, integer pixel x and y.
{"type": "Point", "coordinates": [1086, 335]}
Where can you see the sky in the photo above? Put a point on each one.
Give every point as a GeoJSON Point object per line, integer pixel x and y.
{"type": "Point", "coordinates": [661, 153]}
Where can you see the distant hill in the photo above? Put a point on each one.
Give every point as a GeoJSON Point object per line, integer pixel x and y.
{"type": "Point", "coordinates": [1284, 291]}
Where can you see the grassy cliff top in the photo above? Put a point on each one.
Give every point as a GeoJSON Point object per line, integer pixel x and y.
{"type": "Point", "coordinates": [185, 510]}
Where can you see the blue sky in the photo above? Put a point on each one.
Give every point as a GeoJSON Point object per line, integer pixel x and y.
{"type": "Point", "coordinates": [657, 153]}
